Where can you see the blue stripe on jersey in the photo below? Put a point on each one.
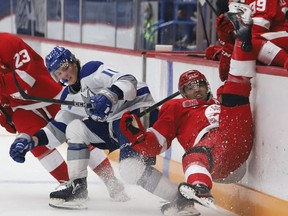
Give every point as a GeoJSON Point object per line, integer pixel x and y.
{"type": "Point", "coordinates": [64, 94]}
{"type": "Point", "coordinates": [89, 68]}
{"type": "Point", "coordinates": [61, 126]}
{"type": "Point", "coordinates": [110, 72]}
{"type": "Point", "coordinates": [142, 91]}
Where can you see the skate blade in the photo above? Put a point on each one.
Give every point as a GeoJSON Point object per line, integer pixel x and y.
{"type": "Point", "coordinates": [189, 193]}
{"type": "Point", "coordinates": [70, 205]}
{"type": "Point", "coordinates": [175, 212]}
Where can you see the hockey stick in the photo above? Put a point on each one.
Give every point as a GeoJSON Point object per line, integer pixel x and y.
{"type": "Point", "coordinates": [47, 100]}
{"type": "Point", "coordinates": [8, 117]}
{"type": "Point", "coordinates": [80, 104]}
{"type": "Point", "coordinates": [156, 105]}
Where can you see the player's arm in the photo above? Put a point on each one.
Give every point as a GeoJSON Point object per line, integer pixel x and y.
{"type": "Point", "coordinates": [52, 135]}
{"type": "Point", "coordinates": [156, 139]}
{"type": "Point", "coordinates": [116, 86]}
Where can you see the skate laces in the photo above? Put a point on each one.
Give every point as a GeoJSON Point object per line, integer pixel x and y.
{"type": "Point", "coordinates": [67, 184]}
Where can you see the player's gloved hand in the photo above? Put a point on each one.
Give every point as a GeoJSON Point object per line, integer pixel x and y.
{"type": "Point", "coordinates": [9, 126]}
{"type": "Point", "coordinates": [225, 30]}
{"type": "Point", "coordinates": [132, 128]}
{"type": "Point", "coordinates": [212, 52]}
{"type": "Point", "coordinates": [21, 145]}
{"type": "Point", "coordinates": [102, 104]}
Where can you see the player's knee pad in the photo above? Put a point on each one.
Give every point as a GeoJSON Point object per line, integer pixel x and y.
{"type": "Point", "coordinates": [75, 131]}
{"type": "Point", "coordinates": [131, 169]}
{"type": "Point", "coordinates": [232, 100]}
{"type": "Point", "coordinates": [201, 150]}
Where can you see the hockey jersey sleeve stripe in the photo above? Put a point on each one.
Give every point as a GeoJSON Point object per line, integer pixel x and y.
{"type": "Point", "coordinates": [161, 139]}
{"type": "Point", "coordinates": [261, 22]}
{"type": "Point", "coordinates": [26, 77]}
{"type": "Point", "coordinates": [143, 91]}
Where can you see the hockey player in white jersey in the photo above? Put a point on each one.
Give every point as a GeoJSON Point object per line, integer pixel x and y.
{"type": "Point", "coordinates": [111, 93]}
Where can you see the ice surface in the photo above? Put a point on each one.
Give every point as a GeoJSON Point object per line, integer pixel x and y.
{"type": "Point", "coordinates": [25, 188]}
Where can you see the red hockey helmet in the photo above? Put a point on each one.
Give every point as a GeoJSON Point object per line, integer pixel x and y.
{"type": "Point", "coordinates": [190, 79]}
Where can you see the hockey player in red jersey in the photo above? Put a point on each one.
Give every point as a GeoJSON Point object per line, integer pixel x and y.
{"type": "Point", "coordinates": [269, 31]}
{"type": "Point", "coordinates": [217, 136]}
{"type": "Point", "coordinates": [19, 115]}
{"type": "Point", "coordinates": [19, 58]}
{"type": "Point", "coordinates": [269, 34]}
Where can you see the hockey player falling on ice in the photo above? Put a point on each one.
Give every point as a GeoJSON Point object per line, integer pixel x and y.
{"type": "Point", "coordinates": [116, 92]}
{"type": "Point", "coordinates": [217, 136]}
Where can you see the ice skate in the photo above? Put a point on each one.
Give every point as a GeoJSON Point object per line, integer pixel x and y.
{"type": "Point", "coordinates": [117, 190]}
{"type": "Point", "coordinates": [180, 207]}
{"type": "Point", "coordinates": [199, 193]}
{"type": "Point", "coordinates": [240, 17]}
{"type": "Point", "coordinates": [73, 196]}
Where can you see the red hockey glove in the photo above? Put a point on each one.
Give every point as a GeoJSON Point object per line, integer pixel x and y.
{"type": "Point", "coordinates": [132, 128]}
{"type": "Point", "coordinates": [212, 52]}
{"type": "Point", "coordinates": [9, 126]}
{"type": "Point", "coordinates": [225, 30]}
{"type": "Point", "coordinates": [224, 65]}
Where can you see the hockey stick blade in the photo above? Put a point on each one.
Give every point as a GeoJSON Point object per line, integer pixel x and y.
{"type": "Point", "coordinates": [47, 100]}
{"type": "Point", "coordinates": [155, 106]}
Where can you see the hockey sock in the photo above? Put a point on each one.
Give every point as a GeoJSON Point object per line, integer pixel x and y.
{"type": "Point", "coordinates": [104, 170]}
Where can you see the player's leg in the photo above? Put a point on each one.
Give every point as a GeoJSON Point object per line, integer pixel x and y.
{"type": "Point", "coordinates": [101, 165]}
{"type": "Point", "coordinates": [27, 121]}
{"type": "Point", "coordinates": [136, 169]}
{"type": "Point", "coordinates": [75, 192]}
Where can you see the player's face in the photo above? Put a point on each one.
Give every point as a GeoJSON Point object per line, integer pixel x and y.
{"type": "Point", "coordinates": [196, 91]}
{"type": "Point", "coordinates": [67, 73]}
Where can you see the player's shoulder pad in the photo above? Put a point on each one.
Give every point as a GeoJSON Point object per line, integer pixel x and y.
{"type": "Point", "coordinates": [89, 68]}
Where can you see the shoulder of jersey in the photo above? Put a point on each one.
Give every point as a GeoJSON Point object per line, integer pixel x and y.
{"type": "Point", "coordinates": [89, 68]}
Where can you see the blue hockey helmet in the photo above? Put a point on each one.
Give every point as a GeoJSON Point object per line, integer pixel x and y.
{"type": "Point", "coordinates": [57, 57]}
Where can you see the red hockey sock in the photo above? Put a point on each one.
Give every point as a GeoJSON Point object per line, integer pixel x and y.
{"type": "Point", "coordinates": [61, 173]}
{"type": "Point", "coordinates": [199, 178]}
{"type": "Point", "coordinates": [280, 59]}
{"type": "Point", "coordinates": [237, 85]}
{"type": "Point", "coordinates": [104, 170]}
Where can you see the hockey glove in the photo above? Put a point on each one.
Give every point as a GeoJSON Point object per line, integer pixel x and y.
{"type": "Point", "coordinates": [132, 128]}
{"type": "Point", "coordinates": [212, 52]}
{"type": "Point", "coordinates": [102, 104]}
{"type": "Point", "coordinates": [21, 145]}
{"type": "Point", "coordinates": [225, 30]}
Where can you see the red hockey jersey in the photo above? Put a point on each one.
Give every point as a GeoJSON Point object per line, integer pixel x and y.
{"type": "Point", "coordinates": [30, 70]}
{"type": "Point", "coordinates": [269, 15]}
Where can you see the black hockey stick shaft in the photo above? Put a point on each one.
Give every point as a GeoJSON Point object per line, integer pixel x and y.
{"type": "Point", "coordinates": [156, 105]}
{"type": "Point", "coordinates": [47, 100]}
{"type": "Point", "coordinates": [212, 8]}
{"type": "Point", "coordinates": [8, 117]}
